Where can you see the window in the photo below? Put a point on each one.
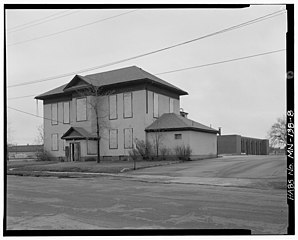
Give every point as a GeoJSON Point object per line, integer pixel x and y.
{"type": "Point", "coordinates": [155, 105]}
{"type": "Point", "coordinates": [55, 142]}
{"type": "Point", "coordinates": [128, 138]}
{"type": "Point", "coordinates": [178, 136]}
{"type": "Point", "coordinates": [113, 106]}
{"type": "Point", "coordinates": [113, 143]}
{"type": "Point", "coordinates": [54, 113]}
{"type": "Point", "coordinates": [171, 105]}
{"type": "Point", "coordinates": [66, 106]}
{"type": "Point", "coordinates": [81, 109]}
{"type": "Point", "coordinates": [91, 147]}
{"type": "Point", "coordinates": [127, 105]}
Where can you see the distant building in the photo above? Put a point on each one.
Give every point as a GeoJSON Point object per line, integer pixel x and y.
{"type": "Point", "coordinates": [236, 144]}
{"type": "Point", "coordinates": [139, 105]}
{"type": "Point", "coordinates": [23, 151]}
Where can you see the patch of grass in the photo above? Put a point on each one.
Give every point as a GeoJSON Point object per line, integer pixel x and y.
{"type": "Point", "coordinates": [18, 164]}
{"type": "Point", "coordinates": [88, 167]}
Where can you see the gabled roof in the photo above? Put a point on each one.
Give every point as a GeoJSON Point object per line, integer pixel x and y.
{"type": "Point", "coordinates": [77, 81]}
{"type": "Point", "coordinates": [78, 133]}
{"type": "Point", "coordinates": [55, 91]}
{"type": "Point", "coordinates": [175, 122]}
{"type": "Point", "coordinates": [128, 75]}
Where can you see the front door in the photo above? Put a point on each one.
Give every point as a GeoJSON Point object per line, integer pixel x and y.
{"type": "Point", "coordinates": [75, 151]}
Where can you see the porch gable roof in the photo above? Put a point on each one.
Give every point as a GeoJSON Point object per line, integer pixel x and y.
{"type": "Point", "coordinates": [75, 133]}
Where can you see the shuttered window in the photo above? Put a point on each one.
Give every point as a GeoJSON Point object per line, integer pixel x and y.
{"type": "Point", "coordinates": [127, 105]}
{"type": "Point", "coordinates": [66, 112]}
{"type": "Point", "coordinates": [54, 113]}
{"type": "Point", "coordinates": [113, 139]}
{"type": "Point", "coordinates": [55, 142]}
{"type": "Point", "coordinates": [128, 138]}
{"type": "Point", "coordinates": [113, 106]}
{"type": "Point", "coordinates": [155, 105]}
{"type": "Point", "coordinates": [81, 109]}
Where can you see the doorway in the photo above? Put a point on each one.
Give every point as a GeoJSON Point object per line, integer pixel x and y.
{"type": "Point", "coordinates": [75, 151]}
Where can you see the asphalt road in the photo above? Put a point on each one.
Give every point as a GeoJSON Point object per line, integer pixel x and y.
{"type": "Point", "coordinates": [176, 196]}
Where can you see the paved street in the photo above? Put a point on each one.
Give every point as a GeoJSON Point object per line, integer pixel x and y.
{"type": "Point", "coordinates": [250, 195]}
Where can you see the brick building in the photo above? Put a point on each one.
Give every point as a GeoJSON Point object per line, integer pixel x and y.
{"type": "Point", "coordinates": [236, 144]}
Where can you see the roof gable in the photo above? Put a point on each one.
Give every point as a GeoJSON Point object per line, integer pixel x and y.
{"type": "Point", "coordinates": [77, 133]}
{"type": "Point", "coordinates": [77, 82]}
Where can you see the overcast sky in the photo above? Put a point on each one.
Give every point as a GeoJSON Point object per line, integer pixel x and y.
{"type": "Point", "coordinates": [243, 97]}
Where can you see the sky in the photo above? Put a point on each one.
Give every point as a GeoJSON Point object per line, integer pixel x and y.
{"type": "Point", "coordinates": [242, 97]}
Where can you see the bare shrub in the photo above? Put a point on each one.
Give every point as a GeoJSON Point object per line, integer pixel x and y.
{"type": "Point", "coordinates": [144, 149]}
{"type": "Point", "coordinates": [43, 155]}
{"type": "Point", "coordinates": [183, 152]}
{"type": "Point", "coordinates": [164, 153]}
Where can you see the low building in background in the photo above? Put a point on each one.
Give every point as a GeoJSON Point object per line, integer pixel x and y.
{"type": "Point", "coordinates": [236, 144]}
{"type": "Point", "coordinates": [23, 151]}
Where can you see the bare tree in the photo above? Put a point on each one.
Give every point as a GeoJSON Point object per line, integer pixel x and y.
{"type": "Point", "coordinates": [95, 95]}
{"type": "Point", "coordinates": [40, 135]}
{"type": "Point", "coordinates": [278, 133]}
{"type": "Point", "coordinates": [157, 139]}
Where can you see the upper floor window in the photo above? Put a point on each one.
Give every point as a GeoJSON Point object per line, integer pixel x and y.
{"type": "Point", "coordinates": [171, 105]}
{"type": "Point", "coordinates": [66, 112]}
{"type": "Point", "coordinates": [113, 139]}
{"type": "Point", "coordinates": [81, 109]}
{"type": "Point", "coordinates": [128, 138]}
{"type": "Point", "coordinates": [113, 106]}
{"type": "Point", "coordinates": [155, 105]}
{"type": "Point", "coordinates": [54, 113]}
{"type": "Point", "coordinates": [127, 105]}
{"type": "Point", "coordinates": [55, 142]}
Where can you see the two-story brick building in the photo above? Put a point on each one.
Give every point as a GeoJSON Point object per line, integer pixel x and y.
{"type": "Point", "coordinates": [133, 100]}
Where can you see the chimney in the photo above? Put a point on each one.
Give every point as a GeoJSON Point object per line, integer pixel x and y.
{"type": "Point", "coordinates": [219, 131]}
{"type": "Point", "coordinates": [182, 113]}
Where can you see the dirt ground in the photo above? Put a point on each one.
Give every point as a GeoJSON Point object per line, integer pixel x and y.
{"type": "Point", "coordinates": [226, 193]}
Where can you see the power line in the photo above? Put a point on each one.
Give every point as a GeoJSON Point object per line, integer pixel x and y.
{"type": "Point", "coordinates": [199, 66]}
{"type": "Point", "coordinates": [152, 52]}
{"type": "Point", "coordinates": [71, 29]}
{"type": "Point", "coordinates": [21, 97]}
{"type": "Point", "coordinates": [37, 20]}
{"type": "Point", "coordinates": [32, 25]}
{"type": "Point", "coordinates": [18, 110]}
{"type": "Point", "coordinates": [220, 62]}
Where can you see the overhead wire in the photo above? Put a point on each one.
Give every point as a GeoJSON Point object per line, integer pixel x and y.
{"type": "Point", "coordinates": [198, 66]}
{"type": "Point", "coordinates": [36, 20]}
{"type": "Point", "coordinates": [33, 25]}
{"type": "Point", "coordinates": [71, 29]}
{"type": "Point", "coordinates": [18, 110]}
{"type": "Point", "coordinates": [262, 18]}
{"type": "Point", "coordinates": [220, 62]}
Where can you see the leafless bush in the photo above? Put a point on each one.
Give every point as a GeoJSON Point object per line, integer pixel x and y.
{"type": "Point", "coordinates": [183, 152]}
{"type": "Point", "coordinates": [43, 155]}
{"type": "Point", "coordinates": [144, 149]}
{"type": "Point", "coordinates": [164, 153]}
